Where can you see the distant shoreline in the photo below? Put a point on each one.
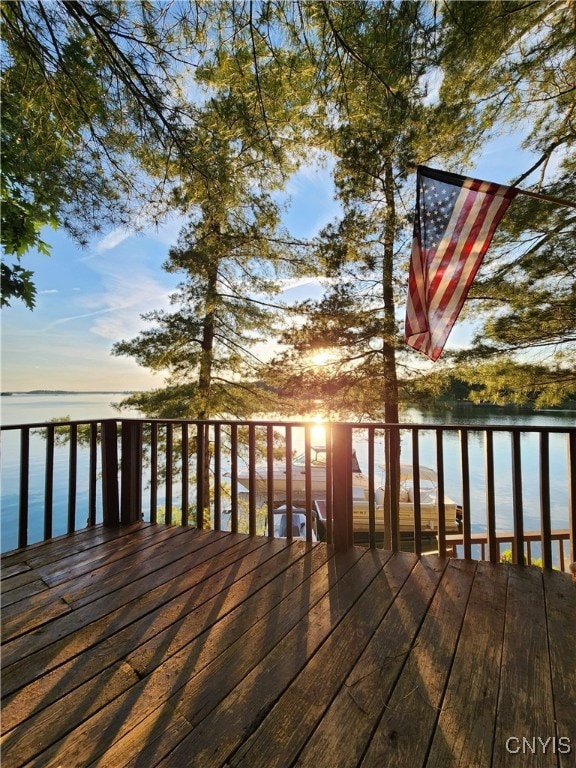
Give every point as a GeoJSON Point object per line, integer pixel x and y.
{"type": "Point", "coordinates": [67, 392]}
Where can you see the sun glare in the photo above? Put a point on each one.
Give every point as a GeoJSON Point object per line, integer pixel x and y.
{"type": "Point", "coordinates": [318, 433]}
{"type": "Point", "coordinates": [321, 358]}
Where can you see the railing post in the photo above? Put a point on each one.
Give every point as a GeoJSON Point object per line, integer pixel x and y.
{"type": "Point", "coordinates": [131, 472]}
{"type": "Point", "coordinates": [417, 499]}
{"type": "Point", "coordinates": [110, 498]}
{"type": "Point", "coordinates": [342, 526]}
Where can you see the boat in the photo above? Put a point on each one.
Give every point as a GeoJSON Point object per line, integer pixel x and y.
{"type": "Point", "coordinates": [428, 482]}
{"type": "Point", "coordinates": [317, 477]}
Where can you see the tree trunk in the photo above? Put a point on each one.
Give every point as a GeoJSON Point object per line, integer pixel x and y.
{"type": "Point", "coordinates": [204, 385]}
{"type": "Point", "coordinates": [390, 379]}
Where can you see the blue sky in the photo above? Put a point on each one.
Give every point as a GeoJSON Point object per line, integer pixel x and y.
{"type": "Point", "coordinates": [89, 298]}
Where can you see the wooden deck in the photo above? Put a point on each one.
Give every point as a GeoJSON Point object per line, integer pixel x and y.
{"type": "Point", "coordinates": [164, 646]}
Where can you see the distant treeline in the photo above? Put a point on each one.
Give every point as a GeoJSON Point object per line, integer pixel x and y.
{"type": "Point", "coordinates": [457, 390]}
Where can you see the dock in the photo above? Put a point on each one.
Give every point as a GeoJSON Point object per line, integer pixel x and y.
{"type": "Point", "coordinates": [149, 646]}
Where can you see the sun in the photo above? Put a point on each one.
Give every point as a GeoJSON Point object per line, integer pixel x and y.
{"type": "Point", "coordinates": [318, 431]}
{"type": "Point", "coordinates": [321, 358]}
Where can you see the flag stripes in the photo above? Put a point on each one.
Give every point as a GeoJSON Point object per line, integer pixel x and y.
{"type": "Point", "coordinates": [455, 221]}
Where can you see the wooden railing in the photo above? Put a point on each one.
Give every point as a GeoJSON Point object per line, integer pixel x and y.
{"type": "Point", "coordinates": [507, 546]}
{"type": "Point", "coordinates": [176, 471]}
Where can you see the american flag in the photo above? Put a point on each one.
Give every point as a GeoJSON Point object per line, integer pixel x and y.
{"type": "Point", "coordinates": [456, 218]}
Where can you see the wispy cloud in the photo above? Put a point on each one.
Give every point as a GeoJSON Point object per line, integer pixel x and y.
{"type": "Point", "coordinates": [112, 240]}
{"type": "Point", "coordinates": [124, 302]}
{"type": "Point", "coordinates": [132, 284]}
{"type": "Point", "coordinates": [70, 318]}
{"type": "Point", "coordinates": [167, 232]}
{"type": "Point", "coordinates": [127, 282]}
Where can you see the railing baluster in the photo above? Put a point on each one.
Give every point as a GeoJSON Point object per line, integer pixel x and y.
{"type": "Point", "coordinates": [24, 486]}
{"type": "Point", "coordinates": [518, 555]}
{"type": "Point", "coordinates": [252, 479]}
{"type": "Point", "coordinates": [416, 492]}
{"type": "Point", "coordinates": [49, 482]}
{"type": "Point", "coordinates": [561, 554]}
{"type": "Point", "coordinates": [72, 473]}
{"type": "Point", "coordinates": [571, 445]}
{"type": "Point", "coordinates": [270, 480]}
{"type": "Point", "coordinates": [441, 493]}
{"type": "Point", "coordinates": [371, 490]}
{"type": "Point", "coordinates": [465, 465]}
{"type": "Point", "coordinates": [234, 477]}
{"type": "Point", "coordinates": [394, 487]}
{"type": "Point", "coordinates": [154, 472]}
{"type": "Point", "coordinates": [289, 482]}
{"type": "Point", "coordinates": [93, 474]}
{"type": "Point", "coordinates": [217, 478]}
{"type": "Point", "coordinates": [308, 481]}
{"type": "Point", "coordinates": [329, 486]}
{"type": "Point", "coordinates": [110, 496]}
{"type": "Point", "coordinates": [200, 448]}
{"type": "Point", "coordinates": [545, 500]}
{"type": "Point", "coordinates": [185, 460]}
{"type": "Point", "coordinates": [490, 501]}
{"type": "Point", "coordinates": [169, 449]}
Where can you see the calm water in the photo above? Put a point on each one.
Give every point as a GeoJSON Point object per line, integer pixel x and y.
{"type": "Point", "coordinates": [18, 409]}
{"type": "Point", "coordinates": [28, 409]}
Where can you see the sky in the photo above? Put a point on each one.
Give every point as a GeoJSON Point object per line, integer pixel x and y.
{"type": "Point", "coordinates": [89, 298]}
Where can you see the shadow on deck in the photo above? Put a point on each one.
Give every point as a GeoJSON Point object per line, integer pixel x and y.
{"type": "Point", "coordinates": [166, 646]}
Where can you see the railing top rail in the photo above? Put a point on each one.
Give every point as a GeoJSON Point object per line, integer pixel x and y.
{"type": "Point", "coordinates": [45, 424]}
{"type": "Point", "coordinates": [375, 425]}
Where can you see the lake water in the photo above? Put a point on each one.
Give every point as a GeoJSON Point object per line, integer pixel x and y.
{"type": "Point", "coordinates": [17, 409]}
{"type": "Point", "coordinates": [28, 409]}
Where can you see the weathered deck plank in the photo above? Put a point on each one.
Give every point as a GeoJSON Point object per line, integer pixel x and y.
{"type": "Point", "coordinates": [525, 705]}
{"type": "Point", "coordinates": [178, 647]}
{"type": "Point", "coordinates": [560, 597]}
{"type": "Point", "coordinates": [361, 700]}
{"type": "Point", "coordinates": [407, 725]}
{"type": "Point", "coordinates": [465, 731]}
{"type": "Point", "coordinates": [276, 741]}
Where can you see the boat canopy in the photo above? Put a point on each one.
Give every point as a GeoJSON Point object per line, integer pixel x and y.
{"type": "Point", "coordinates": [407, 473]}
{"type": "Point", "coordinates": [318, 458]}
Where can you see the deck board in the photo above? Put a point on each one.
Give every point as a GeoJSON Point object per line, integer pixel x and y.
{"type": "Point", "coordinates": [463, 735]}
{"type": "Point", "coordinates": [361, 701]}
{"type": "Point", "coordinates": [525, 703]}
{"type": "Point", "coordinates": [163, 646]}
{"type": "Point", "coordinates": [407, 725]}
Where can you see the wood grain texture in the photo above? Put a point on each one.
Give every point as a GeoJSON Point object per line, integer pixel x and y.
{"type": "Point", "coordinates": [155, 646]}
